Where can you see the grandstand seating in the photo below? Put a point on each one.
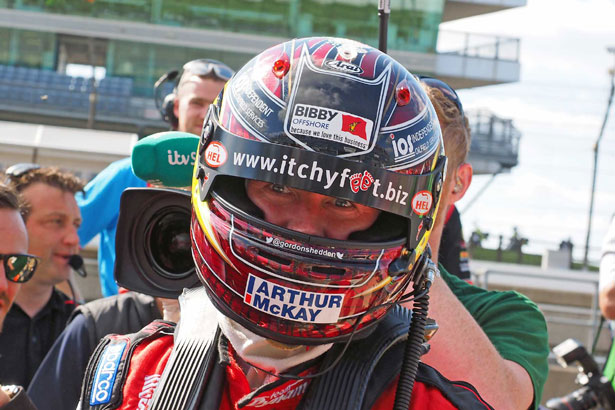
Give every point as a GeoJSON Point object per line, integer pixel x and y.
{"type": "Point", "coordinates": [40, 88]}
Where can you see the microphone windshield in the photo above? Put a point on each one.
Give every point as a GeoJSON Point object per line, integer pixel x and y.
{"type": "Point", "coordinates": [76, 262]}
{"type": "Point", "coordinates": [166, 158]}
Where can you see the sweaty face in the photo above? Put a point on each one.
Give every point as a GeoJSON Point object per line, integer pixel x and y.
{"type": "Point", "coordinates": [193, 99]}
{"type": "Point", "coordinates": [310, 213]}
{"type": "Point", "coordinates": [52, 230]}
{"type": "Point", "coordinates": [13, 239]}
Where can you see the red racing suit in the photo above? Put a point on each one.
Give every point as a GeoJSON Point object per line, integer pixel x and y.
{"type": "Point", "coordinates": [125, 371]}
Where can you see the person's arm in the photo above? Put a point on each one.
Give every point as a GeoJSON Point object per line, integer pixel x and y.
{"type": "Point", "coordinates": [460, 350]}
{"type": "Point", "coordinates": [57, 382]}
{"type": "Point", "coordinates": [101, 203]}
{"type": "Point", "coordinates": [606, 296]}
{"type": "Point", "coordinates": [607, 299]}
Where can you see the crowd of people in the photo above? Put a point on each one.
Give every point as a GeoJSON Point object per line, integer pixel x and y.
{"type": "Point", "coordinates": [319, 256]}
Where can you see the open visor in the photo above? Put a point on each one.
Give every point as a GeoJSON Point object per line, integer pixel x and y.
{"type": "Point", "coordinates": [223, 153]}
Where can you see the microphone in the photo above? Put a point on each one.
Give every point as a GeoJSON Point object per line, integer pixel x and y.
{"type": "Point", "coordinates": [76, 262]}
{"type": "Point", "coordinates": [166, 158]}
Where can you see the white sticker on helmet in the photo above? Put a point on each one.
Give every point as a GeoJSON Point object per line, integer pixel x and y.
{"type": "Point", "coordinates": [332, 125]}
{"type": "Point", "coordinates": [292, 304]}
{"type": "Point", "coordinates": [421, 202]}
{"type": "Point", "coordinates": [215, 154]}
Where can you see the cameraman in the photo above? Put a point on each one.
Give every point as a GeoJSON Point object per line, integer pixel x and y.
{"type": "Point", "coordinates": [199, 84]}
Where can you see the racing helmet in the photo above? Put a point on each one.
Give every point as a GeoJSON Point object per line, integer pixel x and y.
{"type": "Point", "coordinates": [334, 117]}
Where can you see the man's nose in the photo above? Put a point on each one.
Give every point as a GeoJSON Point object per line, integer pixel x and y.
{"type": "Point", "coordinates": [305, 220]}
{"type": "Point", "coordinates": [72, 237]}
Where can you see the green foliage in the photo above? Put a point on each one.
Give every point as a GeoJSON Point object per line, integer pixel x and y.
{"type": "Point", "coordinates": [507, 256]}
{"type": "Point", "coordinates": [486, 254]}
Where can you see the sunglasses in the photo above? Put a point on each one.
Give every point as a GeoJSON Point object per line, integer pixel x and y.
{"type": "Point", "coordinates": [19, 170]}
{"type": "Point", "coordinates": [446, 89]}
{"type": "Point", "coordinates": [19, 267]}
{"type": "Point", "coordinates": [205, 66]}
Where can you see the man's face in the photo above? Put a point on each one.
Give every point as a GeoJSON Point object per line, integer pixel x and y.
{"type": "Point", "coordinates": [193, 99]}
{"type": "Point", "coordinates": [13, 239]}
{"type": "Point", "coordinates": [310, 213]}
{"type": "Point", "coordinates": [52, 228]}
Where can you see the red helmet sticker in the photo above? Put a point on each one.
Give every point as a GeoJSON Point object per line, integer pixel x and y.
{"type": "Point", "coordinates": [421, 202]}
{"type": "Point", "coordinates": [354, 125]}
{"type": "Point", "coordinates": [361, 182]}
{"type": "Point", "coordinates": [215, 154]}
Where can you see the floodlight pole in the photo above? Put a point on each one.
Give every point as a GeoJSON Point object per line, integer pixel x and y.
{"type": "Point", "coordinates": [93, 93]}
{"type": "Point", "coordinates": [596, 147]}
{"type": "Point", "coordinates": [384, 9]}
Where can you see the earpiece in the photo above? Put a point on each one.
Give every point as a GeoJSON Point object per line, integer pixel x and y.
{"type": "Point", "coordinates": [166, 110]}
{"type": "Point", "coordinates": [165, 102]}
{"type": "Point", "coordinates": [458, 185]}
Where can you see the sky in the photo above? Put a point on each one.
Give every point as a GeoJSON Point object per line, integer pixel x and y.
{"type": "Point", "coordinates": [558, 105]}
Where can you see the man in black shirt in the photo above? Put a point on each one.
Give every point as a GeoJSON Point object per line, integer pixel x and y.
{"type": "Point", "coordinates": [16, 267]}
{"type": "Point", "coordinates": [453, 251]}
{"type": "Point", "coordinates": [40, 312]}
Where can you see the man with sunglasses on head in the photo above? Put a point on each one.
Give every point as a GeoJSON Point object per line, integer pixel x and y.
{"type": "Point", "coordinates": [503, 335]}
{"type": "Point", "coordinates": [40, 311]}
{"type": "Point", "coordinates": [453, 253]}
{"type": "Point", "coordinates": [16, 267]}
{"type": "Point", "coordinates": [199, 83]}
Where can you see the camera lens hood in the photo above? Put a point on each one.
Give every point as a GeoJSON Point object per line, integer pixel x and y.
{"type": "Point", "coordinates": [152, 243]}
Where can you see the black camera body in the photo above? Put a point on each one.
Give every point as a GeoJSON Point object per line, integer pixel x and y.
{"type": "Point", "coordinates": [153, 252]}
{"type": "Point", "coordinates": [596, 391]}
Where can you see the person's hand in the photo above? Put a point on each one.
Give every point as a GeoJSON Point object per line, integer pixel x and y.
{"type": "Point", "coordinates": [4, 398]}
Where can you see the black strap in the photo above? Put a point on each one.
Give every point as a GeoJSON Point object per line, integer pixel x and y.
{"type": "Point", "coordinates": [362, 375]}
{"type": "Point", "coordinates": [212, 393]}
{"type": "Point", "coordinates": [461, 394]}
{"type": "Point", "coordinates": [370, 366]}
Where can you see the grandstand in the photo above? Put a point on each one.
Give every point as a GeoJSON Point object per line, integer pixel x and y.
{"type": "Point", "coordinates": [136, 41]}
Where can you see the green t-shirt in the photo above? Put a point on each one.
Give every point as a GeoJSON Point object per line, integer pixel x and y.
{"type": "Point", "coordinates": [609, 366]}
{"type": "Point", "coordinates": [513, 323]}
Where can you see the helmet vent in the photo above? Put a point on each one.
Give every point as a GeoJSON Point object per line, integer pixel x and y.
{"type": "Point", "coordinates": [275, 258]}
{"type": "Point", "coordinates": [327, 270]}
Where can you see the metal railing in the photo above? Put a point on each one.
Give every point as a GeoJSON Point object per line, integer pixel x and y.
{"type": "Point", "coordinates": [494, 137]}
{"type": "Point", "coordinates": [481, 278]}
{"type": "Point", "coordinates": [478, 45]}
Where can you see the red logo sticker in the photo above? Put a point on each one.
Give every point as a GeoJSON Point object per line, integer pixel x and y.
{"type": "Point", "coordinates": [421, 202]}
{"type": "Point", "coordinates": [215, 154]}
{"type": "Point", "coordinates": [354, 125]}
{"type": "Point", "coordinates": [361, 182]}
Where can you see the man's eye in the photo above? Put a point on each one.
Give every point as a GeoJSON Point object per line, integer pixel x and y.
{"type": "Point", "coordinates": [343, 203]}
{"type": "Point", "coordinates": [280, 189]}
{"type": "Point", "coordinates": [55, 221]}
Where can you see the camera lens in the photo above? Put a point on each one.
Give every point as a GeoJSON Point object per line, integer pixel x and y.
{"type": "Point", "coordinates": [169, 243]}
